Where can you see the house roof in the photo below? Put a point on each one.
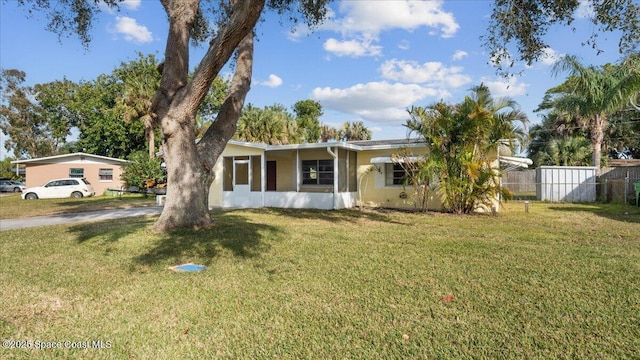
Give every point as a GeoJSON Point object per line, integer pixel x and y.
{"type": "Point", "coordinates": [352, 145]}
{"type": "Point", "coordinates": [57, 158]}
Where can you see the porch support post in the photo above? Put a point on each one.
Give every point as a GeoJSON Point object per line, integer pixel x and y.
{"type": "Point", "coordinates": [346, 179]}
{"type": "Point", "coordinates": [263, 176]}
{"type": "Point", "coordinates": [297, 170]}
{"type": "Point", "coordinates": [336, 174]}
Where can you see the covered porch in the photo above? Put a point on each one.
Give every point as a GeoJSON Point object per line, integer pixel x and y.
{"type": "Point", "coordinates": [319, 176]}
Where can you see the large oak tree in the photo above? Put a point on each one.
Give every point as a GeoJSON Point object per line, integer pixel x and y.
{"type": "Point", "coordinates": [176, 102]}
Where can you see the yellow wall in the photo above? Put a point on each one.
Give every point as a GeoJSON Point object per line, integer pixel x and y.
{"type": "Point", "coordinates": [285, 169]}
{"type": "Point", "coordinates": [372, 188]}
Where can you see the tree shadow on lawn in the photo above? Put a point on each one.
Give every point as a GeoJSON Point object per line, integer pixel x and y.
{"type": "Point", "coordinates": [229, 232]}
{"type": "Point", "coordinates": [343, 215]}
{"type": "Point", "coordinates": [618, 212]}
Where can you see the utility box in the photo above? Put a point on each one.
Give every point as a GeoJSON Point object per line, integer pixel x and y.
{"type": "Point", "coordinates": [566, 183]}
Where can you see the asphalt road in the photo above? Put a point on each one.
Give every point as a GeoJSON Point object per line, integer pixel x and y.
{"type": "Point", "coordinates": [11, 224]}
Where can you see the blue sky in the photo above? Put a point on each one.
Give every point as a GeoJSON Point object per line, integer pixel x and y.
{"type": "Point", "coordinates": [370, 61]}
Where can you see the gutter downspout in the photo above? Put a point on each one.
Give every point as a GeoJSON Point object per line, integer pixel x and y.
{"type": "Point", "coordinates": [335, 177]}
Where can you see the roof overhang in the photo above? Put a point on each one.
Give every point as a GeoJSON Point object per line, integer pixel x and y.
{"type": "Point", "coordinates": [57, 158]}
{"type": "Point", "coordinates": [390, 160]}
{"type": "Point", "coordinates": [515, 162]}
{"type": "Point", "coordinates": [357, 146]}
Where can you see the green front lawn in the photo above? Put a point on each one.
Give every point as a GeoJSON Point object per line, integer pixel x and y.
{"type": "Point", "coordinates": [562, 281]}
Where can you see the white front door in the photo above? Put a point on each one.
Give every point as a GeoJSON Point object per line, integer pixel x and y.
{"type": "Point", "coordinates": [241, 184]}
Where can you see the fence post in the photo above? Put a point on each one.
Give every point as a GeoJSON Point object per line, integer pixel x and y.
{"type": "Point", "coordinates": [626, 187]}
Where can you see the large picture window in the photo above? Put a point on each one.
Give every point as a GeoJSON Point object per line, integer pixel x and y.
{"type": "Point", "coordinates": [317, 172]}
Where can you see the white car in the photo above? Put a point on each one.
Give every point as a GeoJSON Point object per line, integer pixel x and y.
{"type": "Point", "coordinates": [60, 188]}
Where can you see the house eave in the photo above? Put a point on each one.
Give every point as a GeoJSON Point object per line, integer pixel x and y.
{"type": "Point", "coordinates": [49, 159]}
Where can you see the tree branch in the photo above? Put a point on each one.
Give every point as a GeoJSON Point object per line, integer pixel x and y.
{"type": "Point", "coordinates": [222, 129]}
{"type": "Point", "coordinates": [243, 19]}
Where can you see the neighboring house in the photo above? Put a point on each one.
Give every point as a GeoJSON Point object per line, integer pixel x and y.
{"type": "Point", "coordinates": [102, 172]}
{"type": "Point", "coordinates": [332, 175]}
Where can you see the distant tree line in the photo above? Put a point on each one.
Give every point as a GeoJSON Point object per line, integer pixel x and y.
{"type": "Point", "coordinates": [111, 115]}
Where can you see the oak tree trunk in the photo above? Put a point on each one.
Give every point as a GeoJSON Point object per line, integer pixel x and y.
{"type": "Point", "coordinates": [186, 203]}
{"type": "Point", "coordinates": [190, 166]}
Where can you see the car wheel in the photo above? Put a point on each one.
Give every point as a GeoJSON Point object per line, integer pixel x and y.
{"type": "Point", "coordinates": [31, 196]}
{"type": "Point", "coordinates": [16, 190]}
{"type": "Point", "coordinates": [76, 195]}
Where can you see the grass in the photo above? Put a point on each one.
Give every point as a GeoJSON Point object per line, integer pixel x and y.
{"type": "Point", "coordinates": [562, 281]}
{"type": "Point", "coordinates": [12, 206]}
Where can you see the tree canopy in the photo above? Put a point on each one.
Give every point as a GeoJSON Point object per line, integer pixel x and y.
{"type": "Point", "coordinates": [32, 116]}
{"type": "Point", "coordinates": [308, 113]}
{"type": "Point", "coordinates": [590, 96]}
{"type": "Point", "coordinates": [518, 28]}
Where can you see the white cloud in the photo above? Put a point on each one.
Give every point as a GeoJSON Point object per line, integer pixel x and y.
{"type": "Point", "coordinates": [132, 31]}
{"type": "Point", "coordinates": [404, 45]}
{"type": "Point", "coordinates": [361, 22]}
{"type": "Point", "coordinates": [459, 55]}
{"type": "Point", "coordinates": [510, 87]}
{"type": "Point", "coordinates": [550, 57]}
{"type": "Point", "coordinates": [273, 82]}
{"type": "Point", "coordinates": [380, 102]}
{"type": "Point", "coordinates": [431, 73]}
{"type": "Point", "coordinates": [372, 17]}
{"type": "Point", "coordinates": [352, 48]}
{"type": "Point", "coordinates": [131, 4]}
{"type": "Point", "coordinates": [585, 10]}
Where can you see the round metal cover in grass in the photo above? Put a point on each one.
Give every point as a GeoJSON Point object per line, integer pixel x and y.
{"type": "Point", "coordinates": [188, 267]}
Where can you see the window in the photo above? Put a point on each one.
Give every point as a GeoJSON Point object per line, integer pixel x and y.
{"type": "Point", "coordinates": [68, 183]}
{"type": "Point", "coordinates": [76, 173]}
{"type": "Point", "coordinates": [317, 172]}
{"type": "Point", "coordinates": [395, 174]}
{"type": "Point", "coordinates": [105, 174]}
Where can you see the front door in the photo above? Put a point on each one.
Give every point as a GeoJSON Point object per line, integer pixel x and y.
{"type": "Point", "coordinates": [241, 184]}
{"type": "Point", "coordinates": [271, 176]}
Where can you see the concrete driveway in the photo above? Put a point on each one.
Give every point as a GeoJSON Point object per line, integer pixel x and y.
{"type": "Point", "coordinates": [11, 224]}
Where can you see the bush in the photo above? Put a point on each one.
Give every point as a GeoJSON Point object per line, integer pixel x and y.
{"type": "Point", "coordinates": [141, 168]}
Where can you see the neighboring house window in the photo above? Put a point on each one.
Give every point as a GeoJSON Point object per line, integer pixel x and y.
{"type": "Point", "coordinates": [317, 172]}
{"type": "Point", "coordinates": [76, 173]}
{"type": "Point", "coordinates": [395, 174]}
{"type": "Point", "coordinates": [105, 174]}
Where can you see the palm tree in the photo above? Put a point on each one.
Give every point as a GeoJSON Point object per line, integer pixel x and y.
{"type": "Point", "coordinates": [594, 93]}
{"type": "Point", "coordinates": [141, 80]}
{"type": "Point", "coordinates": [567, 151]}
{"type": "Point", "coordinates": [353, 131]}
{"type": "Point", "coordinates": [271, 125]}
{"type": "Point", "coordinates": [328, 133]}
{"type": "Point", "coordinates": [460, 140]}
